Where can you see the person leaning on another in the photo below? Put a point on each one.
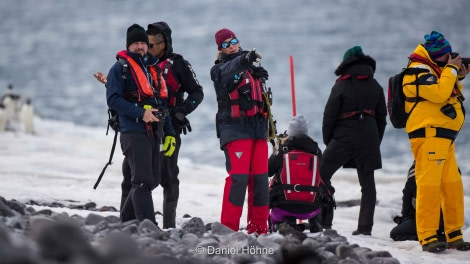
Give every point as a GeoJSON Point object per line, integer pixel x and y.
{"type": "Point", "coordinates": [180, 79]}
{"type": "Point", "coordinates": [136, 99]}
{"type": "Point", "coordinates": [432, 128]}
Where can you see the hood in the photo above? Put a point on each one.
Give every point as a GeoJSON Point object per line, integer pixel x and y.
{"type": "Point", "coordinates": [365, 60]}
{"type": "Point", "coordinates": [166, 31]}
{"type": "Point", "coordinates": [422, 52]}
{"type": "Point", "coordinates": [302, 142]}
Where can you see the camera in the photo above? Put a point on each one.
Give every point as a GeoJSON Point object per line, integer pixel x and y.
{"type": "Point", "coordinates": [465, 61]}
{"type": "Point", "coordinates": [161, 114]}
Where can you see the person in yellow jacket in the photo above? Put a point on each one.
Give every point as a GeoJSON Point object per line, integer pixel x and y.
{"type": "Point", "coordinates": [434, 98]}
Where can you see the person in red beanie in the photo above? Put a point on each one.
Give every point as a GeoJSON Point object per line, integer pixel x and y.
{"type": "Point", "coordinates": [241, 124]}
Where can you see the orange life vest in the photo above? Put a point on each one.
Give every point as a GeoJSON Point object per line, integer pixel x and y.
{"type": "Point", "coordinates": [144, 87]}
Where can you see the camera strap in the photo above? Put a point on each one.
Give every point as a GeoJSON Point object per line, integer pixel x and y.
{"type": "Point", "coordinates": [109, 162]}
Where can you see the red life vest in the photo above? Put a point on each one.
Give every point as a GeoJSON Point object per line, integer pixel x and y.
{"type": "Point", "coordinates": [171, 82]}
{"type": "Point", "coordinates": [300, 176]}
{"type": "Point", "coordinates": [246, 99]}
{"type": "Point", "coordinates": [144, 87]}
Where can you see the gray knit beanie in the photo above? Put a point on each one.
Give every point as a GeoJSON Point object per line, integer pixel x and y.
{"type": "Point", "coordinates": [297, 126]}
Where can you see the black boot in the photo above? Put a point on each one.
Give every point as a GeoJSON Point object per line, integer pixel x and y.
{"type": "Point", "coordinates": [315, 225]}
{"type": "Point", "coordinates": [143, 203]}
{"type": "Point", "coordinates": [169, 214]}
{"type": "Point", "coordinates": [327, 214]}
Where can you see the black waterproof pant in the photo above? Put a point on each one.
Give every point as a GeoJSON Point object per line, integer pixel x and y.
{"type": "Point", "coordinates": [142, 166]}
{"type": "Point", "coordinates": [406, 230]}
{"type": "Point", "coordinates": [368, 198]}
{"type": "Point", "coordinates": [170, 184]}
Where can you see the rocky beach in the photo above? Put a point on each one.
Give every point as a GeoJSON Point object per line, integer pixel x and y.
{"type": "Point", "coordinates": [30, 236]}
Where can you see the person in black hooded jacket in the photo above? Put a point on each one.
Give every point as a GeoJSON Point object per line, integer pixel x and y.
{"type": "Point", "coordinates": [184, 95]}
{"type": "Point", "coordinates": [353, 128]}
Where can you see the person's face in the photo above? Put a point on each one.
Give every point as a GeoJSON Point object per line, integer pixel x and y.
{"type": "Point", "coordinates": [138, 47]}
{"type": "Point", "coordinates": [157, 46]}
{"type": "Point", "coordinates": [231, 48]}
{"type": "Point", "coordinates": [443, 58]}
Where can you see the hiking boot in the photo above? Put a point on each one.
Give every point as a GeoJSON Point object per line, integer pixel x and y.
{"type": "Point", "coordinates": [358, 232]}
{"type": "Point", "coordinates": [459, 244]}
{"type": "Point", "coordinates": [435, 246]}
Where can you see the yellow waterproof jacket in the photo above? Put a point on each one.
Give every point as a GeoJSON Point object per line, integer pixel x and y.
{"type": "Point", "coordinates": [435, 91]}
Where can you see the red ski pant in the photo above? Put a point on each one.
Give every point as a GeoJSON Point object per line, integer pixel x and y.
{"type": "Point", "coordinates": [438, 184]}
{"type": "Point", "coordinates": [247, 167]}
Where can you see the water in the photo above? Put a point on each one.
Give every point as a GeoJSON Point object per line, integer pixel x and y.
{"type": "Point", "coordinates": [51, 48]}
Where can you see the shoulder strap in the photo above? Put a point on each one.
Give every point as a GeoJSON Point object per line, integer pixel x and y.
{"type": "Point", "coordinates": [414, 71]}
{"type": "Point", "coordinates": [125, 67]}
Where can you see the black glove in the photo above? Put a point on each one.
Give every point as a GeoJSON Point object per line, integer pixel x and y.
{"type": "Point", "coordinates": [251, 57]}
{"type": "Point", "coordinates": [182, 123]}
{"type": "Point", "coordinates": [259, 72]}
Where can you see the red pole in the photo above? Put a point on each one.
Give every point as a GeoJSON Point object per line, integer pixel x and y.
{"type": "Point", "coordinates": [292, 85]}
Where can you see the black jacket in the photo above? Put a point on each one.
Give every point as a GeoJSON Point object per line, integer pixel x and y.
{"type": "Point", "coordinates": [184, 74]}
{"type": "Point", "coordinates": [359, 135]}
{"type": "Point", "coordinates": [230, 129]}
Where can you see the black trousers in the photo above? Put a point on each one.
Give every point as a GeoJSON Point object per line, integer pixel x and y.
{"type": "Point", "coordinates": [170, 184]}
{"type": "Point", "coordinates": [142, 165]}
{"type": "Point", "coordinates": [368, 197]}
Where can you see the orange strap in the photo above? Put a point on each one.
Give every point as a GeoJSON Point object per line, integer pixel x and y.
{"type": "Point", "coordinates": [143, 84]}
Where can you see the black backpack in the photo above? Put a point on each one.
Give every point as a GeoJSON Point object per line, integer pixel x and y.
{"type": "Point", "coordinates": [396, 97]}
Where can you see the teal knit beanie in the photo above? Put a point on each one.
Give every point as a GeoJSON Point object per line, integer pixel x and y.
{"type": "Point", "coordinates": [353, 52]}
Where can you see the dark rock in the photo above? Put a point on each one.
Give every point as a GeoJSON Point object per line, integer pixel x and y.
{"type": "Point", "coordinates": [220, 229]}
{"type": "Point", "coordinates": [93, 219]}
{"type": "Point", "coordinates": [287, 230]}
{"type": "Point", "coordinates": [118, 245]}
{"type": "Point", "coordinates": [5, 210]}
{"type": "Point", "coordinates": [17, 206]}
{"type": "Point", "coordinates": [195, 225]}
{"type": "Point", "coordinates": [345, 251]}
{"type": "Point", "coordinates": [46, 236]}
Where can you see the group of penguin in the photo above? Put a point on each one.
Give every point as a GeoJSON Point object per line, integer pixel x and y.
{"type": "Point", "coordinates": [16, 112]}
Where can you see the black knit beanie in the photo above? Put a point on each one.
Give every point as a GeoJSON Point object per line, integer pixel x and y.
{"type": "Point", "coordinates": [136, 33]}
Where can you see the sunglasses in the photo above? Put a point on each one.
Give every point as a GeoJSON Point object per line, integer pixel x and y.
{"type": "Point", "coordinates": [226, 44]}
{"type": "Point", "coordinates": [153, 44]}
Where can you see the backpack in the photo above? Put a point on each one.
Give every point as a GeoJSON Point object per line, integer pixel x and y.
{"type": "Point", "coordinates": [396, 98]}
{"type": "Point", "coordinates": [300, 181]}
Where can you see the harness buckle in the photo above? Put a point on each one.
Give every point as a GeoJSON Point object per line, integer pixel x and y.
{"type": "Point", "coordinates": [295, 187]}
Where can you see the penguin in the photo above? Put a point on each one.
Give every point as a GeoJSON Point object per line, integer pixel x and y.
{"type": "Point", "coordinates": [3, 118]}
{"type": "Point", "coordinates": [26, 117]}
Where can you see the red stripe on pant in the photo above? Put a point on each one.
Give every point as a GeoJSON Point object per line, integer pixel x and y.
{"type": "Point", "coordinates": [247, 167]}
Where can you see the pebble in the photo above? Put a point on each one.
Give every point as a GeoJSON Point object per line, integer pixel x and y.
{"type": "Point", "coordinates": [28, 236]}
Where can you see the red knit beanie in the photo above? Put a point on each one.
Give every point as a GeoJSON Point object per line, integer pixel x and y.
{"type": "Point", "coordinates": [222, 35]}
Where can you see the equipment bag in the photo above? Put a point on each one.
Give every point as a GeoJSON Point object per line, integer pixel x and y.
{"type": "Point", "coordinates": [300, 176]}
{"type": "Point", "coordinates": [396, 98]}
